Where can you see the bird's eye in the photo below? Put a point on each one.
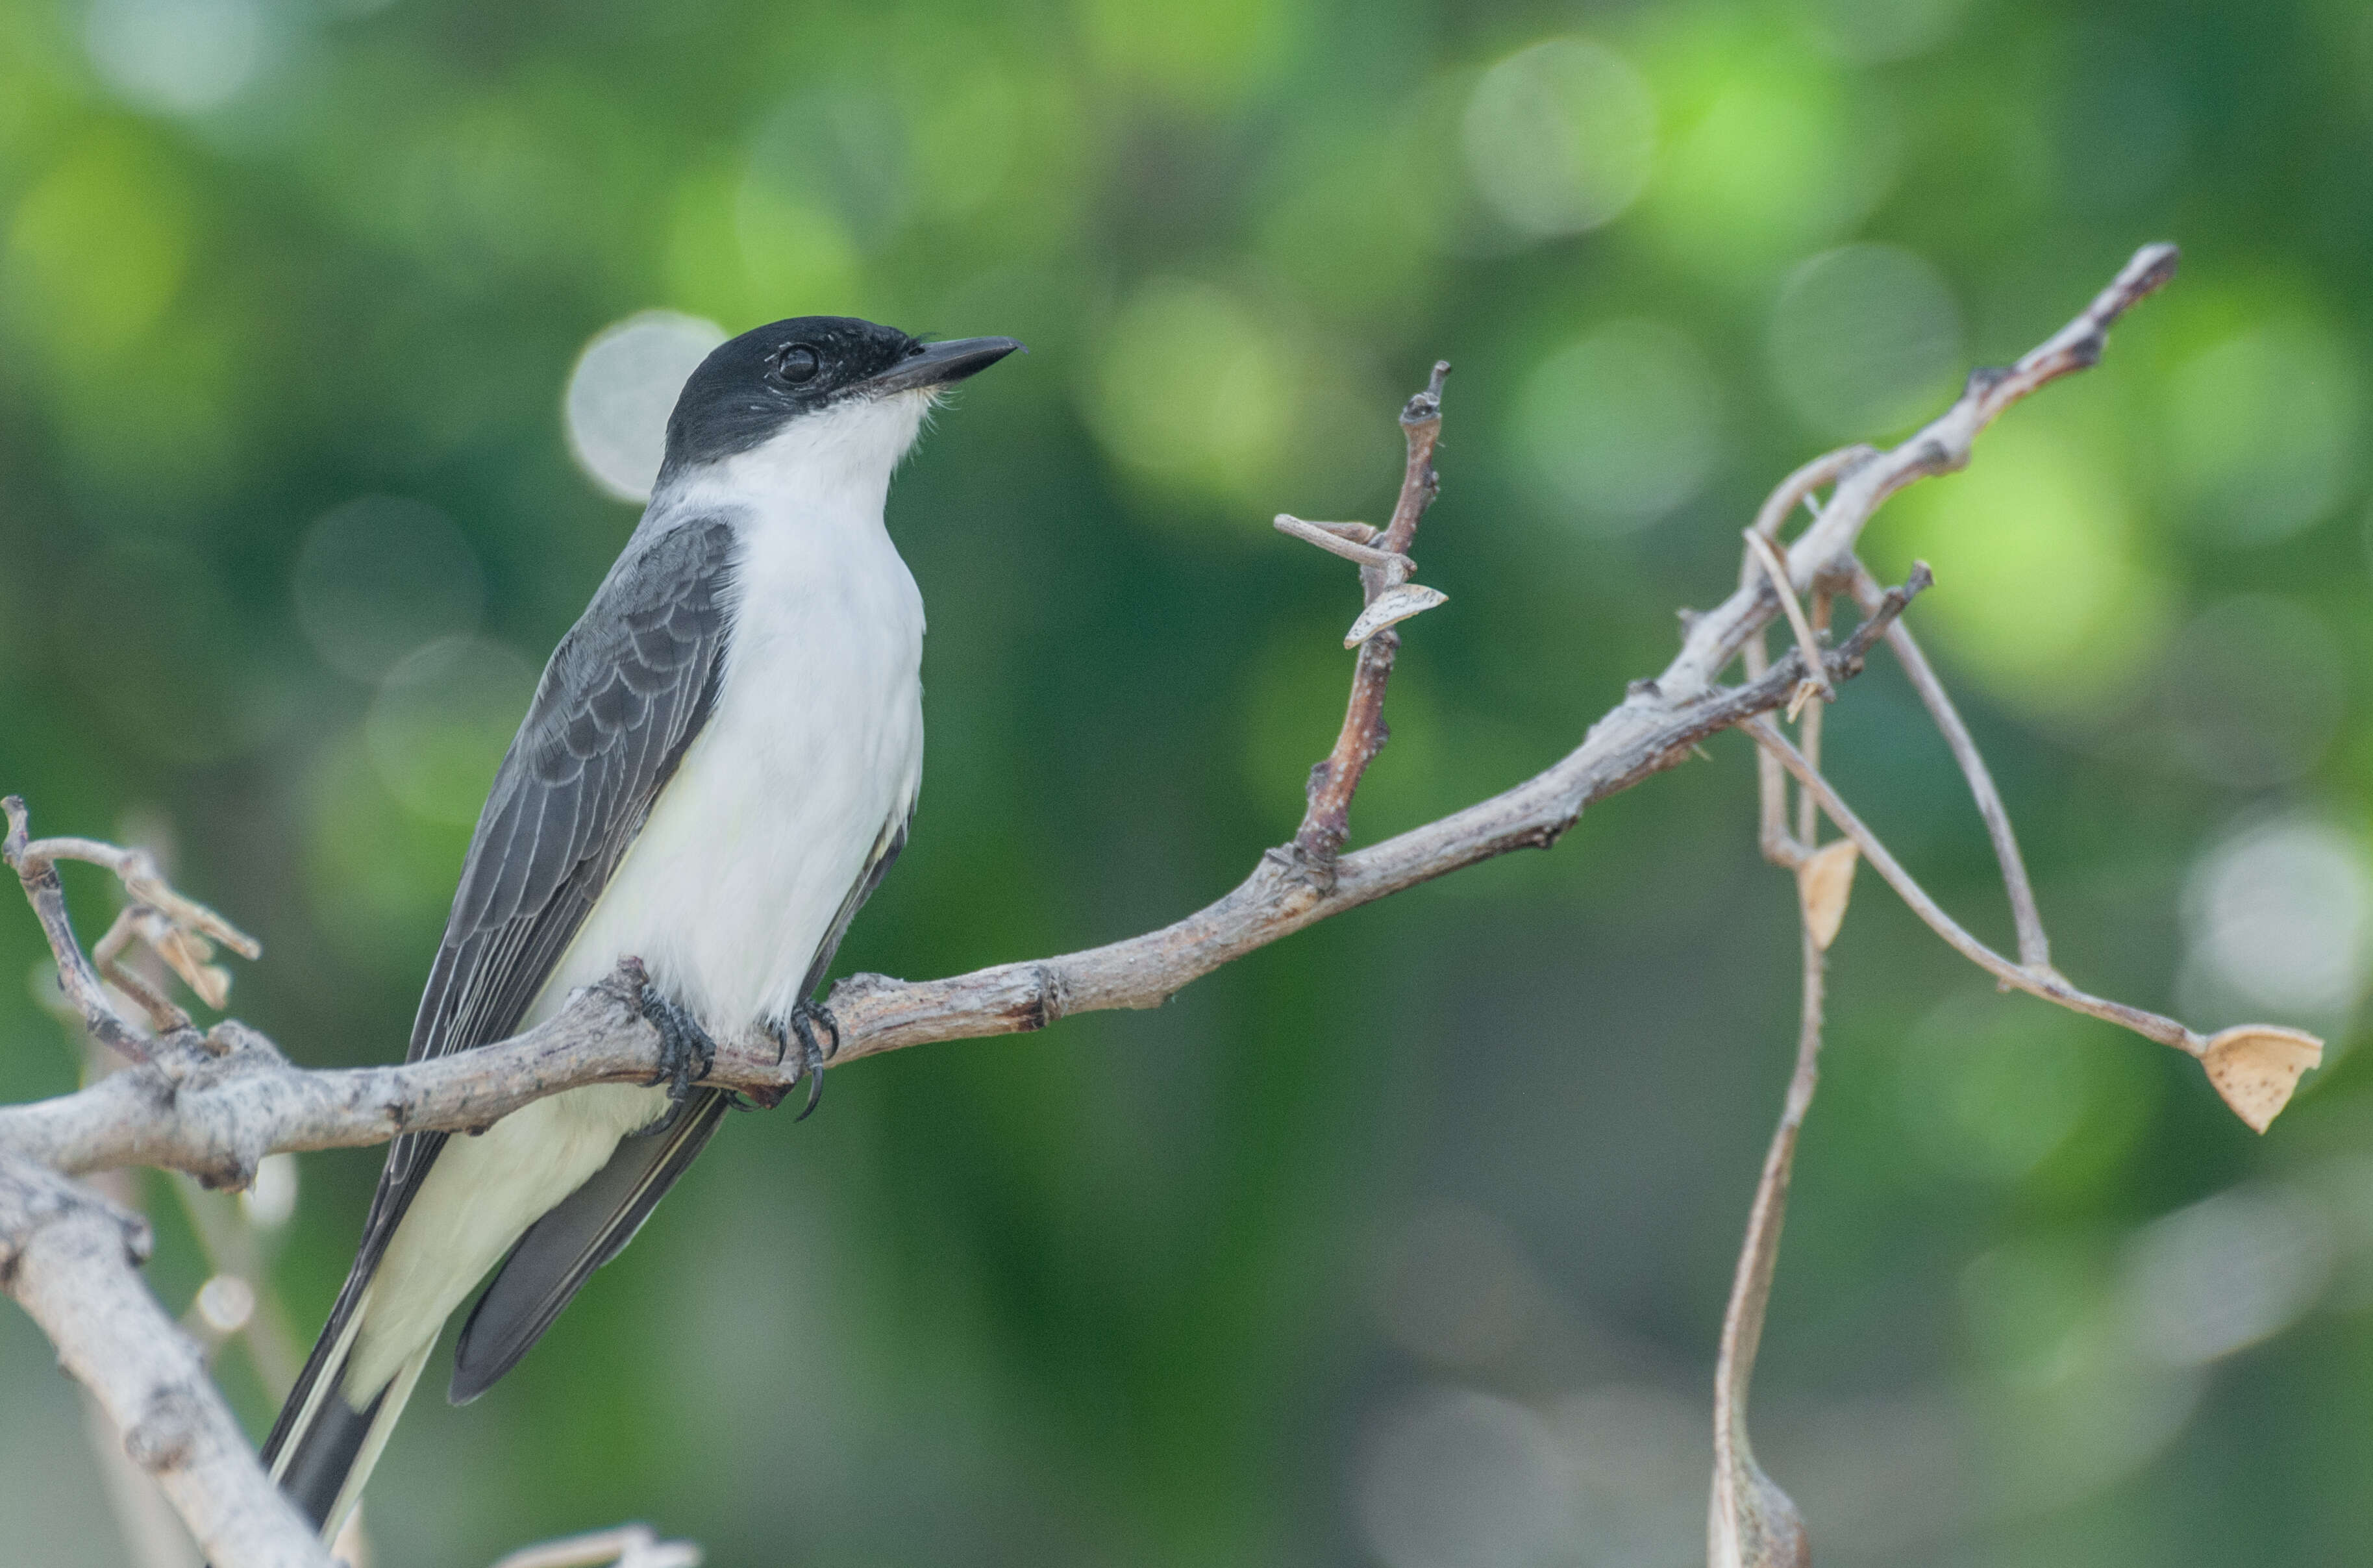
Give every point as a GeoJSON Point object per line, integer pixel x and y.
{"type": "Point", "coordinates": [798, 363]}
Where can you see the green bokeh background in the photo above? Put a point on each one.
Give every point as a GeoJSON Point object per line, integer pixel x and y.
{"type": "Point", "coordinates": [1404, 1242]}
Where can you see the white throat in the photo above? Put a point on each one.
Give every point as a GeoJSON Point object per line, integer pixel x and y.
{"type": "Point", "coordinates": [836, 461]}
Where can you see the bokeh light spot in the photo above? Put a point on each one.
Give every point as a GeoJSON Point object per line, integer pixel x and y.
{"type": "Point", "coordinates": [1997, 1091]}
{"type": "Point", "coordinates": [1624, 424]}
{"type": "Point", "coordinates": [1640, 1454]}
{"type": "Point", "coordinates": [1209, 52]}
{"type": "Point", "coordinates": [1560, 137]}
{"type": "Point", "coordinates": [378, 576]}
{"type": "Point", "coordinates": [175, 56]}
{"type": "Point", "coordinates": [1462, 1479]}
{"type": "Point", "coordinates": [2280, 917]}
{"type": "Point", "coordinates": [845, 153]}
{"type": "Point", "coordinates": [96, 250]}
{"type": "Point", "coordinates": [2261, 430]}
{"type": "Point", "coordinates": [2254, 689]}
{"type": "Point", "coordinates": [441, 722]}
{"type": "Point", "coordinates": [623, 390]}
{"type": "Point", "coordinates": [1867, 32]}
{"type": "Point", "coordinates": [2040, 593]}
{"type": "Point", "coordinates": [2228, 1272]}
{"type": "Point", "coordinates": [1191, 389]}
{"type": "Point", "coordinates": [1782, 157]}
{"type": "Point", "coordinates": [2074, 1403]}
{"type": "Point", "coordinates": [1865, 339]}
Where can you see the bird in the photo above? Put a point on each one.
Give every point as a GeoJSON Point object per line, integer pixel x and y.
{"type": "Point", "coordinates": [717, 768]}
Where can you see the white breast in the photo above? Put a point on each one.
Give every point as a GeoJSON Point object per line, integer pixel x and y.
{"type": "Point", "coordinates": [815, 742]}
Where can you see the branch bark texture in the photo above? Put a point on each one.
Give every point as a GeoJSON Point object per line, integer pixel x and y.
{"type": "Point", "coordinates": [71, 1260]}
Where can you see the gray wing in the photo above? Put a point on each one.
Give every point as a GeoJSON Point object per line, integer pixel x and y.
{"type": "Point", "coordinates": [624, 694]}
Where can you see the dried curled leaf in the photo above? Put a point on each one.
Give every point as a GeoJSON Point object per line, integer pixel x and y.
{"type": "Point", "coordinates": [1391, 607]}
{"type": "Point", "coordinates": [187, 952]}
{"type": "Point", "coordinates": [1824, 882]}
{"type": "Point", "coordinates": [2256, 1067]}
{"type": "Point", "coordinates": [145, 887]}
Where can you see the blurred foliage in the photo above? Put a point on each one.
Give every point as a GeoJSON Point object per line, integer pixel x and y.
{"type": "Point", "coordinates": [1404, 1242]}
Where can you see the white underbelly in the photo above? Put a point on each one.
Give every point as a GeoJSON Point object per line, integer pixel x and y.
{"type": "Point", "coordinates": [477, 1200]}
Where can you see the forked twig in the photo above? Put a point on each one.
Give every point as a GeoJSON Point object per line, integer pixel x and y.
{"type": "Point", "coordinates": [2041, 982]}
{"type": "Point", "coordinates": [1776, 571]}
{"type": "Point", "coordinates": [179, 929]}
{"type": "Point", "coordinates": [2034, 946]}
{"type": "Point", "coordinates": [1326, 820]}
{"type": "Point", "coordinates": [1797, 490]}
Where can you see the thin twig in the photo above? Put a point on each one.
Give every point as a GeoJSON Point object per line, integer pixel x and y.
{"type": "Point", "coordinates": [1772, 835]}
{"type": "Point", "coordinates": [2042, 982]}
{"type": "Point", "coordinates": [185, 923]}
{"type": "Point", "coordinates": [1775, 572]}
{"type": "Point", "coordinates": [1808, 728]}
{"type": "Point", "coordinates": [1751, 1523]}
{"type": "Point", "coordinates": [1798, 489]}
{"type": "Point", "coordinates": [83, 991]}
{"type": "Point", "coordinates": [108, 954]}
{"type": "Point", "coordinates": [1330, 538]}
{"type": "Point", "coordinates": [137, 870]}
{"type": "Point", "coordinates": [1327, 820]}
{"type": "Point", "coordinates": [2034, 946]}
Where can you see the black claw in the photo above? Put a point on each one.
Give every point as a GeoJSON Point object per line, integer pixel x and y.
{"type": "Point", "coordinates": [805, 1016]}
{"type": "Point", "coordinates": [687, 1053]}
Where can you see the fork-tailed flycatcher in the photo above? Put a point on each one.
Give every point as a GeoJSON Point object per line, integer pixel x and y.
{"type": "Point", "coordinates": [718, 767]}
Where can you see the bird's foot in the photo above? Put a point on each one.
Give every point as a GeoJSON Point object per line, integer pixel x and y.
{"type": "Point", "coordinates": [807, 1018]}
{"type": "Point", "coordinates": [687, 1053]}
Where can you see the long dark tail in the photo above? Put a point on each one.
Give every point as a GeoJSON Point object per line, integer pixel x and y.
{"type": "Point", "coordinates": [322, 1447]}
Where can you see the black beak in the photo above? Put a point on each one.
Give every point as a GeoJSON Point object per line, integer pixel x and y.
{"type": "Point", "coordinates": [937, 364]}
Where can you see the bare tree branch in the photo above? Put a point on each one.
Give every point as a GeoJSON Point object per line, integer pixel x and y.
{"type": "Point", "coordinates": [1940, 447]}
{"type": "Point", "coordinates": [215, 1104]}
{"type": "Point", "coordinates": [69, 1259]}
